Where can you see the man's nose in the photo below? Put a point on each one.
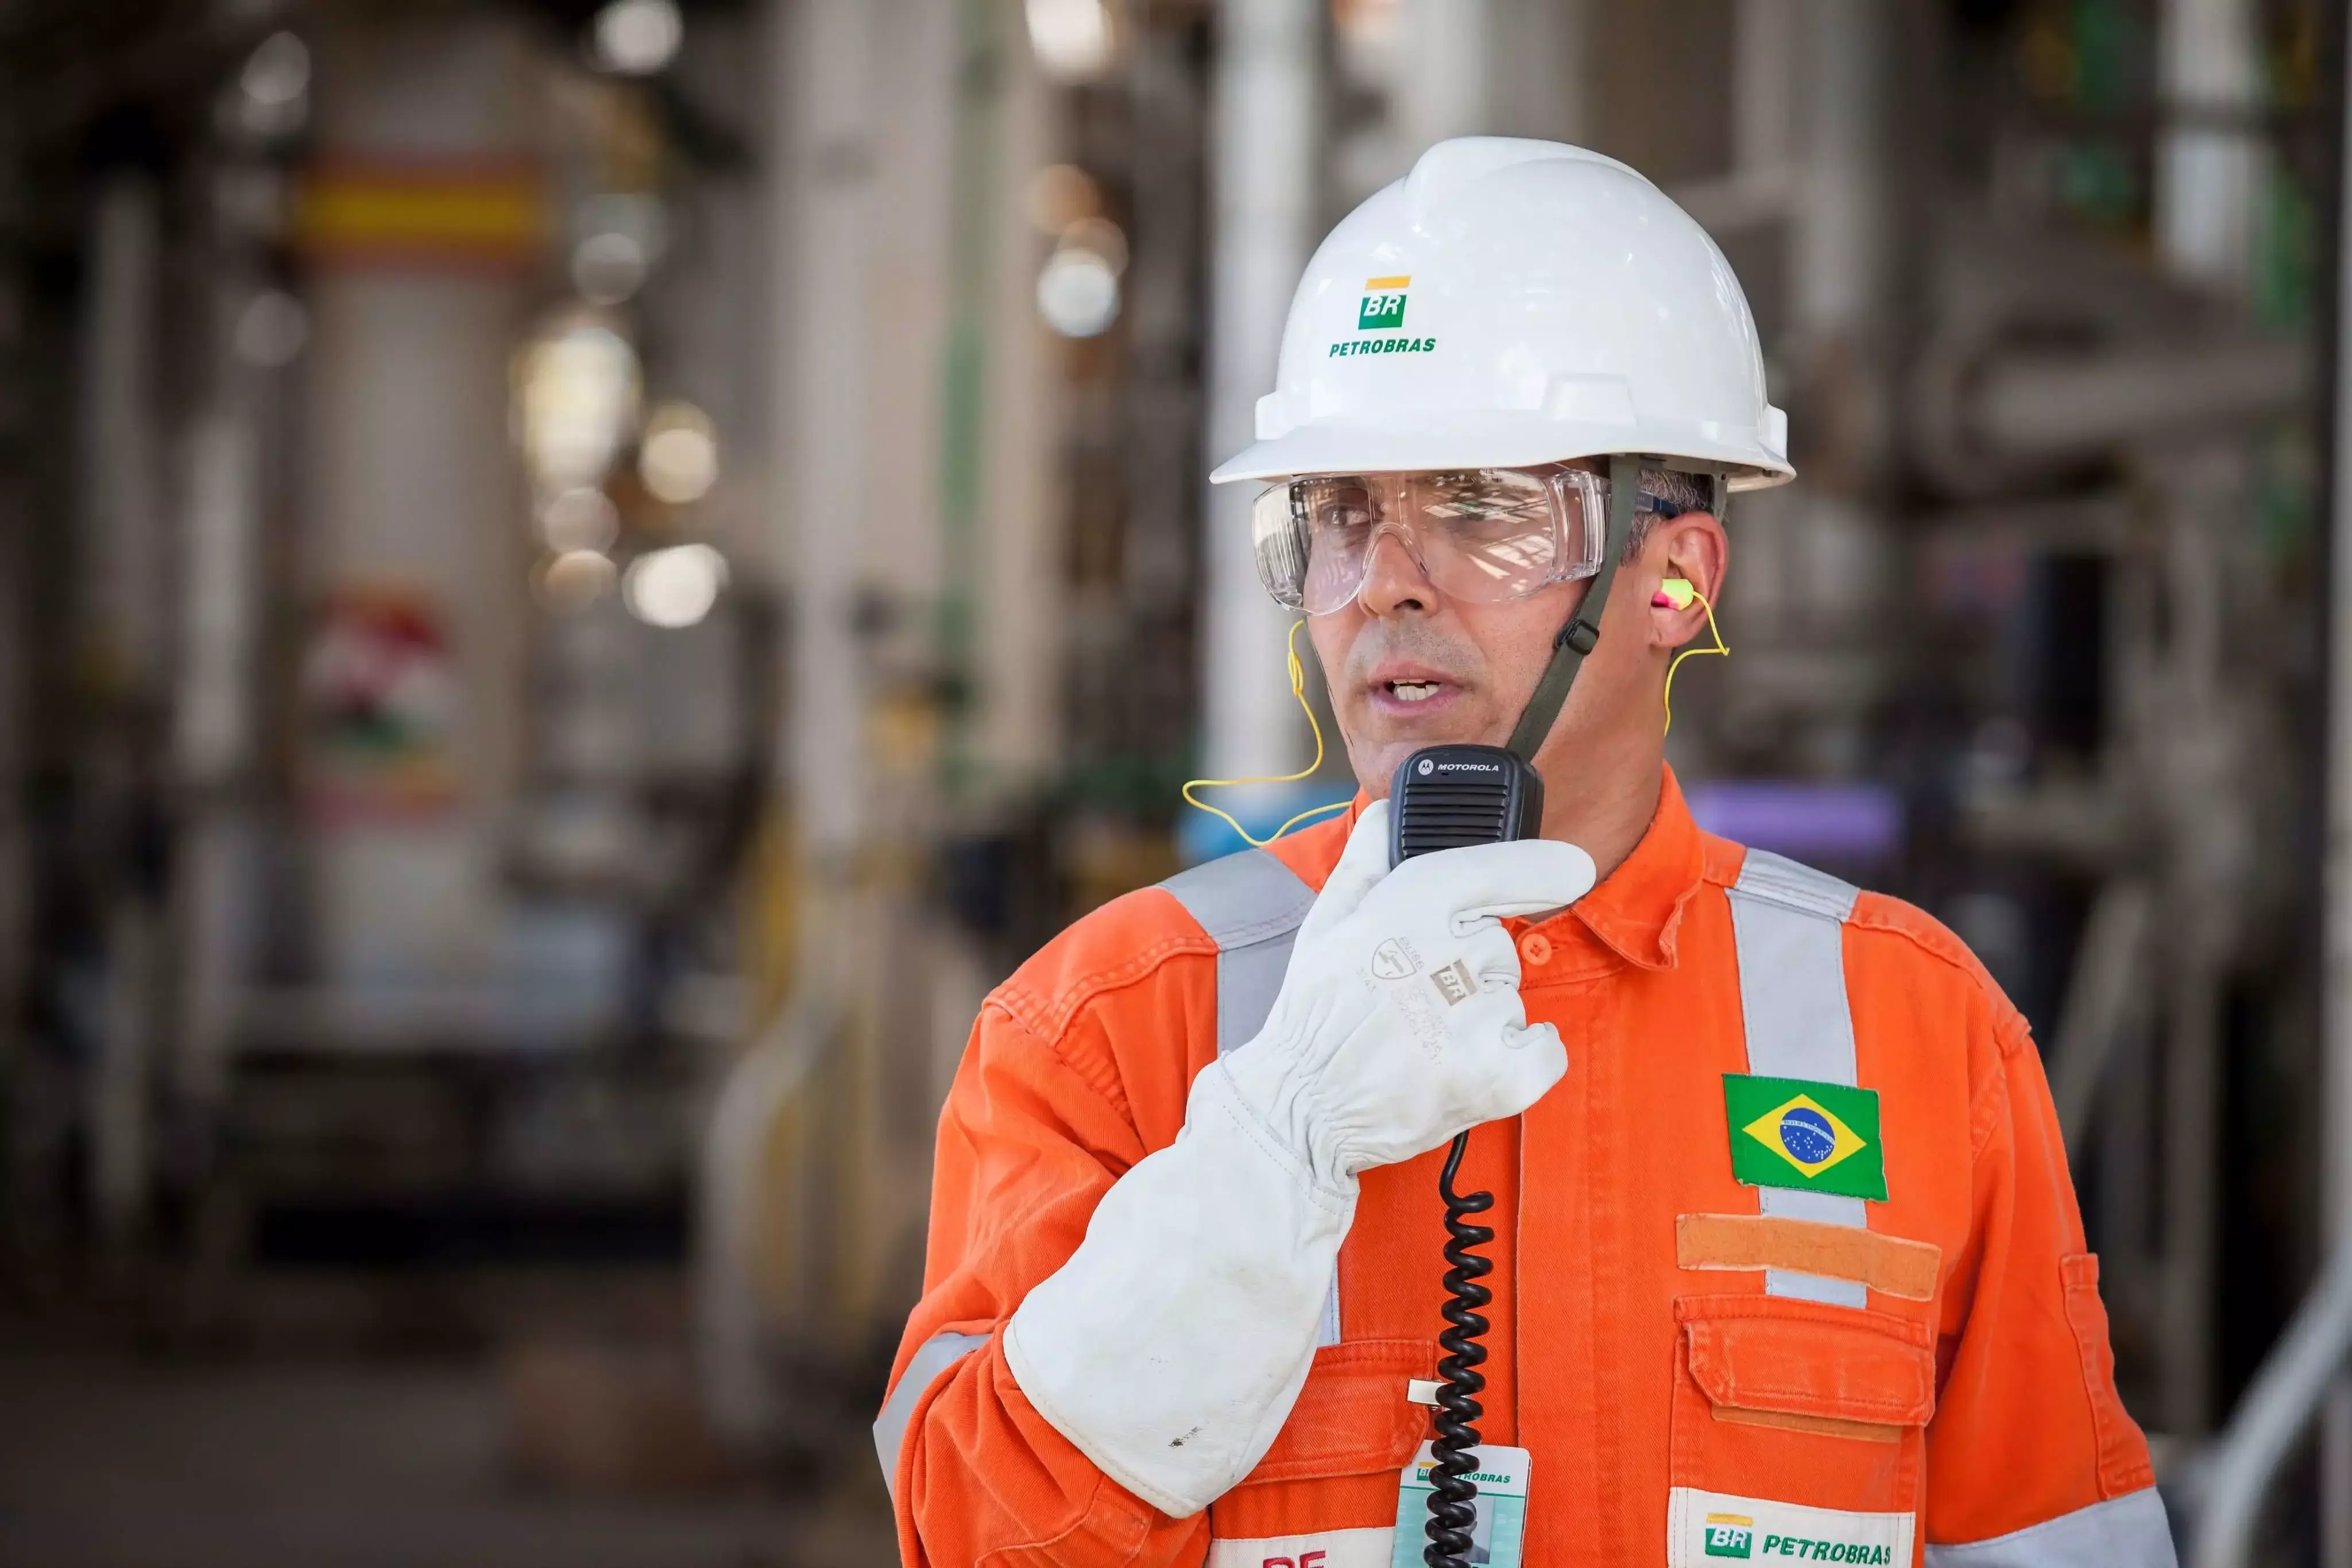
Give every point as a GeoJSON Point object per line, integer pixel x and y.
{"type": "Point", "coordinates": [1395, 581]}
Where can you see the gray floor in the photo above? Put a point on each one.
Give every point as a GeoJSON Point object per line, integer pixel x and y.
{"type": "Point", "coordinates": [110, 1463]}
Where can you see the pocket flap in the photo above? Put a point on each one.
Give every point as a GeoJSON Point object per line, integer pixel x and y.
{"type": "Point", "coordinates": [1353, 1416]}
{"type": "Point", "coordinates": [1803, 1358]}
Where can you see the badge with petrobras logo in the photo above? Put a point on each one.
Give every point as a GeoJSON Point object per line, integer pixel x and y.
{"type": "Point", "coordinates": [1707, 1529]}
{"type": "Point", "coordinates": [1496, 1540]}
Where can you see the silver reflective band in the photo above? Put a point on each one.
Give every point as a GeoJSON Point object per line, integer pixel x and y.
{"type": "Point", "coordinates": [1788, 924]}
{"type": "Point", "coordinates": [939, 1352]}
{"type": "Point", "coordinates": [1251, 906]}
{"type": "Point", "coordinates": [2127, 1532]}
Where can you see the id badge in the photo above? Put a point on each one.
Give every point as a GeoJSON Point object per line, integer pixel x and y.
{"type": "Point", "coordinates": [1501, 1477]}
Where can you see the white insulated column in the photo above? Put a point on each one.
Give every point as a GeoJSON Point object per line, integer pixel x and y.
{"type": "Point", "coordinates": [1265, 223]}
{"type": "Point", "coordinates": [2208, 162]}
{"type": "Point", "coordinates": [822, 151]}
{"type": "Point", "coordinates": [411, 492]}
{"type": "Point", "coordinates": [1446, 82]}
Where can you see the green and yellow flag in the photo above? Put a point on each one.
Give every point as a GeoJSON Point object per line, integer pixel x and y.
{"type": "Point", "coordinates": [1813, 1137]}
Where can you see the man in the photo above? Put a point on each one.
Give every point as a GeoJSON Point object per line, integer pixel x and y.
{"type": "Point", "coordinates": [1787, 1263]}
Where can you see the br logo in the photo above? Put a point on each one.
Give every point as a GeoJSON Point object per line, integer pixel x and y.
{"type": "Point", "coordinates": [1304, 1559]}
{"type": "Point", "coordinates": [1383, 303]}
{"type": "Point", "coordinates": [1730, 1535]}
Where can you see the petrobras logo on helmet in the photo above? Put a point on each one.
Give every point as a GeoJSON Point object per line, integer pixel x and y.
{"type": "Point", "coordinates": [1351, 348]}
{"type": "Point", "coordinates": [1381, 310]}
{"type": "Point", "coordinates": [1383, 303]}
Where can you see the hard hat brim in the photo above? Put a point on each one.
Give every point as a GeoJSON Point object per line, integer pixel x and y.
{"type": "Point", "coordinates": [1495, 443]}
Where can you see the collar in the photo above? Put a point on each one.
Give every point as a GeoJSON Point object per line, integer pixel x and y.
{"type": "Point", "coordinates": [1634, 913]}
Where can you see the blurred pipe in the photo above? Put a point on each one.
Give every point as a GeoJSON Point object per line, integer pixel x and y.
{"type": "Point", "coordinates": [2100, 998]}
{"type": "Point", "coordinates": [2272, 1417]}
{"type": "Point", "coordinates": [1839, 260]}
{"type": "Point", "coordinates": [2306, 1368]}
{"type": "Point", "coordinates": [1267, 107]}
{"type": "Point", "coordinates": [822, 213]}
{"type": "Point", "coordinates": [2208, 162]}
{"type": "Point", "coordinates": [2335, 1477]}
{"type": "Point", "coordinates": [736, 1205]}
{"type": "Point", "coordinates": [2039, 405]}
{"type": "Point", "coordinates": [1449, 88]}
{"type": "Point", "coordinates": [973, 201]}
{"type": "Point", "coordinates": [119, 483]}
{"type": "Point", "coordinates": [1764, 86]}
{"type": "Point", "coordinates": [120, 478]}
{"type": "Point", "coordinates": [2335, 1441]}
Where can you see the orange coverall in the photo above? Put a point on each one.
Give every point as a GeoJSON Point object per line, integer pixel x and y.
{"type": "Point", "coordinates": [1635, 1349]}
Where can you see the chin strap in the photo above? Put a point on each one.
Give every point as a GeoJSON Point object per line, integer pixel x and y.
{"type": "Point", "coordinates": [1584, 630]}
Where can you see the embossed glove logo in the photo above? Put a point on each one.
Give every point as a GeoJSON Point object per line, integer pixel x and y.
{"type": "Point", "coordinates": [1393, 960]}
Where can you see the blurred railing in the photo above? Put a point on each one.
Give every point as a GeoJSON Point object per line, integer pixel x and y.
{"type": "Point", "coordinates": [2274, 1416]}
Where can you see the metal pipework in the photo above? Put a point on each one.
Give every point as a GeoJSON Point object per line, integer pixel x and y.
{"type": "Point", "coordinates": [2273, 1415]}
{"type": "Point", "coordinates": [2308, 1363]}
{"type": "Point", "coordinates": [2036, 404]}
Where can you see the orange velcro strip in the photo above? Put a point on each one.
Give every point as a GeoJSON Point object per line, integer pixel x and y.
{"type": "Point", "coordinates": [1821, 1426]}
{"type": "Point", "coordinates": [1894, 1264]}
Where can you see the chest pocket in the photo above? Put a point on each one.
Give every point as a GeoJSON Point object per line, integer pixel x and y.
{"type": "Point", "coordinates": [1820, 1406]}
{"type": "Point", "coordinates": [1334, 1465]}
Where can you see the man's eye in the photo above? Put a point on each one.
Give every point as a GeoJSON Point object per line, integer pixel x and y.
{"type": "Point", "coordinates": [1342, 517]}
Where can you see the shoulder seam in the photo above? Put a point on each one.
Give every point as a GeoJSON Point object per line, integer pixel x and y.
{"type": "Point", "coordinates": [2008, 1024]}
{"type": "Point", "coordinates": [1048, 1020]}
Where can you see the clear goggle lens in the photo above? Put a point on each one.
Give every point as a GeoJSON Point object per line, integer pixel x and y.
{"type": "Point", "coordinates": [1483, 534]}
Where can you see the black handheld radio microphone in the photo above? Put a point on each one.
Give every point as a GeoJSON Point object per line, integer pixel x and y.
{"type": "Point", "coordinates": [1443, 798]}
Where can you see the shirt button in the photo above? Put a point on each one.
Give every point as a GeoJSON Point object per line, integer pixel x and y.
{"type": "Point", "coordinates": [1535, 948]}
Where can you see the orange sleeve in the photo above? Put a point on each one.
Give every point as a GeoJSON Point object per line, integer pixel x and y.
{"type": "Point", "coordinates": [2028, 1427]}
{"type": "Point", "coordinates": [1026, 1149]}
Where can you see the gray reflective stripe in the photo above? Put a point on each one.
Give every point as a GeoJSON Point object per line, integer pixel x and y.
{"type": "Point", "coordinates": [939, 1352]}
{"type": "Point", "coordinates": [2127, 1532]}
{"type": "Point", "coordinates": [1788, 924]}
{"type": "Point", "coordinates": [1253, 906]}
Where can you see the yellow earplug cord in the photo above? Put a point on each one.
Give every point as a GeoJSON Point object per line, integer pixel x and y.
{"type": "Point", "coordinates": [1298, 690]}
{"type": "Point", "coordinates": [1680, 591]}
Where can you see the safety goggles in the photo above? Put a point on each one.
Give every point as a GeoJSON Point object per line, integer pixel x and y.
{"type": "Point", "coordinates": [1481, 534]}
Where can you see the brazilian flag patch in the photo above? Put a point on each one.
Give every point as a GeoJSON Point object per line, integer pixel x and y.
{"type": "Point", "coordinates": [1813, 1137]}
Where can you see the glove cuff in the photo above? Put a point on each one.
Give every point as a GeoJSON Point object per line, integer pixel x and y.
{"type": "Point", "coordinates": [1173, 1345]}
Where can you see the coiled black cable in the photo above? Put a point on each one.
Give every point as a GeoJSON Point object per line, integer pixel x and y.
{"type": "Point", "coordinates": [1453, 1508]}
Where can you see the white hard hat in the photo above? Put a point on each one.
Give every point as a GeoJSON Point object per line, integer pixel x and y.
{"type": "Point", "coordinates": [1511, 303]}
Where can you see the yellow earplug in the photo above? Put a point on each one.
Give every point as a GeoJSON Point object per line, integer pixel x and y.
{"type": "Point", "coordinates": [1677, 593]}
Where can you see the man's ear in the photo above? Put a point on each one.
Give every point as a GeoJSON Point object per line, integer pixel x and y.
{"type": "Point", "coordinates": [1694, 548]}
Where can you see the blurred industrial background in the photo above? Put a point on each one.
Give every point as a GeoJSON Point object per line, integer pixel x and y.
{"type": "Point", "coordinates": [576, 582]}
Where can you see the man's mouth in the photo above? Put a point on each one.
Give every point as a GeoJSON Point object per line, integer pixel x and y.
{"type": "Point", "coordinates": [1412, 693]}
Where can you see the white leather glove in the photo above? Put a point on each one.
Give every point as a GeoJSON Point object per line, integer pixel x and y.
{"type": "Point", "coordinates": [1171, 1345]}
